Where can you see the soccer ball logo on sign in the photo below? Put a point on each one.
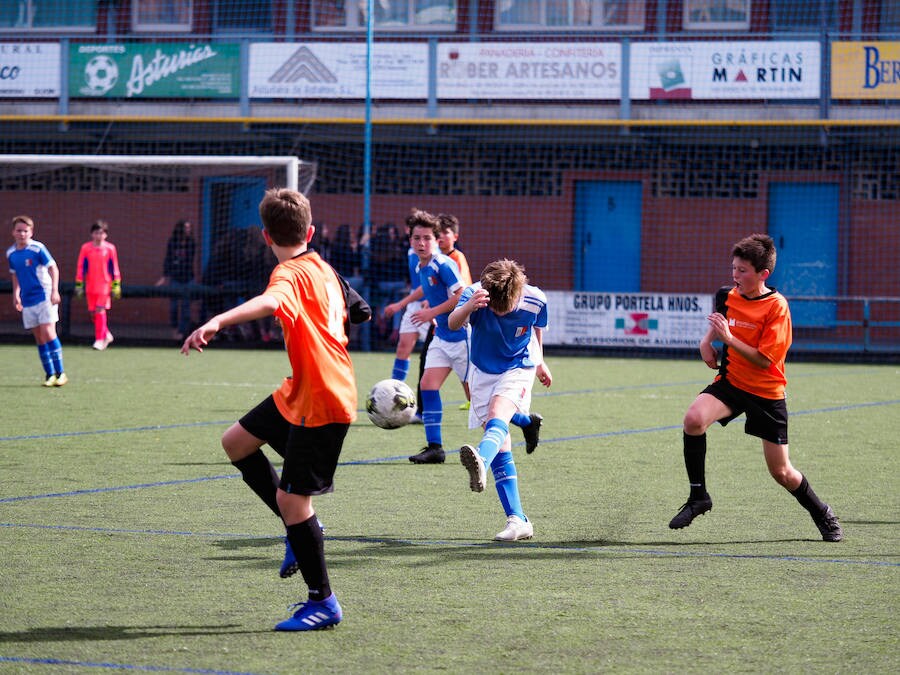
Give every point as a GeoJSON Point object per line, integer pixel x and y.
{"type": "Point", "coordinates": [391, 404]}
{"type": "Point", "coordinates": [100, 74]}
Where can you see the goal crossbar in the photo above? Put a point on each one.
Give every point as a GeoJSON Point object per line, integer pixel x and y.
{"type": "Point", "coordinates": [290, 163]}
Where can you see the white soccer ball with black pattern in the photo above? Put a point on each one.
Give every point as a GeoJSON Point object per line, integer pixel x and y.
{"type": "Point", "coordinates": [391, 404]}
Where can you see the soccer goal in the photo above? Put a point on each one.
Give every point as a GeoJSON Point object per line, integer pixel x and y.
{"type": "Point", "coordinates": [142, 198]}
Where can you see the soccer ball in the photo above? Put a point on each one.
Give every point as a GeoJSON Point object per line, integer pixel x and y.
{"type": "Point", "coordinates": [391, 404]}
{"type": "Point", "coordinates": [101, 74]}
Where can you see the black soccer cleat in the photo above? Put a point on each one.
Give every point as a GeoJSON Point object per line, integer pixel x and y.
{"type": "Point", "coordinates": [828, 525]}
{"type": "Point", "coordinates": [431, 454]}
{"type": "Point", "coordinates": [690, 510]}
{"type": "Point", "coordinates": [532, 432]}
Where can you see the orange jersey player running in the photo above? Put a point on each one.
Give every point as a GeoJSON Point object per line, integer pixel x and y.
{"type": "Point", "coordinates": [97, 277]}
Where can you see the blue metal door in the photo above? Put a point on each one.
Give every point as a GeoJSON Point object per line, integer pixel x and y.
{"type": "Point", "coordinates": [803, 221]}
{"type": "Point", "coordinates": [608, 236]}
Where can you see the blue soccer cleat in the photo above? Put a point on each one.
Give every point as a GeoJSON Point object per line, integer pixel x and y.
{"type": "Point", "coordinates": [312, 615]}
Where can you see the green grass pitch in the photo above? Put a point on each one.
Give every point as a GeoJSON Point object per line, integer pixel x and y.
{"type": "Point", "coordinates": [129, 542]}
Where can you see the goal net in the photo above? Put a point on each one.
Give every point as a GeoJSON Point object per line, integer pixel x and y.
{"type": "Point", "coordinates": [142, 198]}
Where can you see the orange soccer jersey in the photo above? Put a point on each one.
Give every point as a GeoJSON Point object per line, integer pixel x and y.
{"type": "Point", "coordinates": [97, 267]}
{"type": "Point", "coordinates": [464, 274]}
{"type": "Point", "coordinates": [763, 323]}
{"type": "Point", "coordinates": [311, 308]}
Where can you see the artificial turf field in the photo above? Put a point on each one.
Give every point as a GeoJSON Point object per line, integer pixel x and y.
{"type": "Point", "coordinates": [129, 543]}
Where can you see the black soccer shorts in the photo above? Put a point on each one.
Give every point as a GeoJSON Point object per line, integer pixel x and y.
{"type": "Point", "coordinates": [766, 418]}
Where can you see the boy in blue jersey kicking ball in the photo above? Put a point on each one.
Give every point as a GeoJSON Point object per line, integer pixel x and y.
{"type": "Point", "coordinates": [507, 316]}
{"type": "Point", "coordinates": [35, 280]}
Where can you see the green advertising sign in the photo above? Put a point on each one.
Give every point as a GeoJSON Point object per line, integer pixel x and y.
{"type": "Point", "coordinates": [154, 70]}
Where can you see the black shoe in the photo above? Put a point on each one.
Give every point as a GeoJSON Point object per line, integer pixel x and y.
{"type": "Point", "coordinates": [532, 432]}
{"type": "Point", "coordinates": [691, 509]}
{"type": "Point", "coordinates": [431, 454]}
{"type": "Point", "coordinates": [829, 526]}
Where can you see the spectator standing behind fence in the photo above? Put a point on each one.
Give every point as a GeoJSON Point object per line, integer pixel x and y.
{"type": "Point", "coordinates": [98, 279]}
{"type": "Point", "coordinates": [35, 282]}
{"type": "Point", "coordinates": [344, 255]}
{"type": "Point", "coordinates": [178, 274]}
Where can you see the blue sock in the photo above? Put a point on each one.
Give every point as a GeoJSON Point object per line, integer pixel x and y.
{"type": "Point", "coordinates": [44, 353]}
{"type": "Point", "coordinates": [521, 419]}
{"type": "Point", "coordinates": [432, 415]}
{"type": "Point", "coordinates": [507, 484]}
{"type": "Point", "coordinates": [401, 368]}
{"type": "Point", "coordinates": [495, 432]}
{"type": "Point", "coordinates": [55, 352]}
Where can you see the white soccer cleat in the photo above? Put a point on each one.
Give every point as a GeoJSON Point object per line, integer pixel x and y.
{"type": "Point", "coordinates": [109, 338]}
{"type": "Point", "coordinates": [515, 529]}
{"type": "Point", "coordinates": [99, 345]}
{"type": "Point", "coordinates": [474, 464]}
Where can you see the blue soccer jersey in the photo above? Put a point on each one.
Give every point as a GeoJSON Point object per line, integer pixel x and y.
{"type": "Point", "coordinates": [30, 265]}
{"type": "Point", "coordinates": [412, 261]}
{"type": "Point", "coordinates": [440, 279]}
{"type": "Point", "coordinates": [500, 343]}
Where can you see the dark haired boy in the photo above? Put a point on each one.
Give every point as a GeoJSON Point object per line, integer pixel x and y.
{"type": "Point", "coordinates": [753, 323]}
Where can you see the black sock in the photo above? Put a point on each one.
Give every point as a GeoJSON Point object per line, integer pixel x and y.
{"type": "Point", "coordinates": [808, 499]}
{"type": "Point", "coordinates": [308, 545]}
{"type": "Point", "coordinates": [258, 472]}
{"type": "Point", "coordinates": [695, 463]}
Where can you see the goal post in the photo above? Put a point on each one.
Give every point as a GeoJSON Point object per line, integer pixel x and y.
{"type": "Point", "coordinates": [141, 198]}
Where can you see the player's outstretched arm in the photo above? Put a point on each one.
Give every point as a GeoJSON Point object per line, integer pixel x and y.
{"type": "Point", "coordinates": [254, 308]}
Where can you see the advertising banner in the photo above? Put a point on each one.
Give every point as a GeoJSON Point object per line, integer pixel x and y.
{"type": "Point", "coordinates": [865, 70]}
{"type": "Point", "coordinates": [338, 70]}
{"type": "Point", "coordinates": [29, 69]}
{"type": "Point", "coordinates": [646, 320]}
{"type": "Point", "coordinates": [529, 70]}
{"type": "Point", "coordinates": [725, 70]}
{"type": "Point", "coordinates": [154, 70]}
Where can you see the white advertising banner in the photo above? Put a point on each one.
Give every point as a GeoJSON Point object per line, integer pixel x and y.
{"type": "Point", "coordinates": [643, 320]}
{"type": "Point", "coordinates": [725, 70]}
{"type": "Point", "coordinates": [337, 70]}
{"type": "Point", "coordinates": [529, 70]}
{"type": "Point", "coordinates": [29, 69]}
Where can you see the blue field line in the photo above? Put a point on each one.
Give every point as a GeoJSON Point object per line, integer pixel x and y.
{"type": "Point", "coordinates": [395, 458]}
{"type": "Point", "coordinates": [432, 543]}
{"type": "Point", "coordinates": [120, 666]}
{"type": "Point", "coordinates": [92, 432]}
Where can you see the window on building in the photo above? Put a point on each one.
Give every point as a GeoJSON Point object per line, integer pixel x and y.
{"type": "Point", "coordinates": [48, 14]}
{"type": "Point", "coordinates": [571, 14]}
{"type": "Point", "coordinates": [242, 16]}
{"type": "Point", "coordinates": [717, 14]}
{"type": "Point", "coordinates": [790, 16]}
{"type": "Point", "coordinates": [161, 15]}
{"type": "Point", "coordinates": [890, 17]}
{"type": "Point", "coordinates": [387, 14]}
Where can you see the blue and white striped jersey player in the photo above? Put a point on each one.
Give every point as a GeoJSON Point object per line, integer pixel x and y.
{"type": "Point", "coordinates": [507, 316]}
{"type": "Point", "coordinates": [449, 350]}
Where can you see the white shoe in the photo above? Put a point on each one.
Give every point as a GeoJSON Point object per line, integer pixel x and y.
{"type": "Point", "coordinates": [109, 338]}
{"type": "Point", "coordinates": [99, 345]}
{"type": "Point", "coordinates": [516, 529]}
{"type": "Point", "coordinates": [473, 463]}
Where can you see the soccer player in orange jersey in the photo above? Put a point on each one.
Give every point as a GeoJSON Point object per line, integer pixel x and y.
{"type": "Point", "coordinates": [307, 418]}
{"type": "Point", "coordinates": [753, 322]}
{"type": "Point", "coordinates": [97, 277]}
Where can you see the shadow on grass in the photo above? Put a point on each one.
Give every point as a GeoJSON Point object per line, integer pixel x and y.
{"type": "Point", "coordinates": [94, 633]}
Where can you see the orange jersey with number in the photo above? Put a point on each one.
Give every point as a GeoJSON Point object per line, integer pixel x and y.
{"type": "Point", "coordinates": [322, 387]}
{"type": "Point", "coordinates": [765, 324]}
{"type": "Point", "coordinates": [457, 256]}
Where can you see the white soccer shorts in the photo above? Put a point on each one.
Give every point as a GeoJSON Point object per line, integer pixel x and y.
{"type": "Point", "coordinates": [514, 385]}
